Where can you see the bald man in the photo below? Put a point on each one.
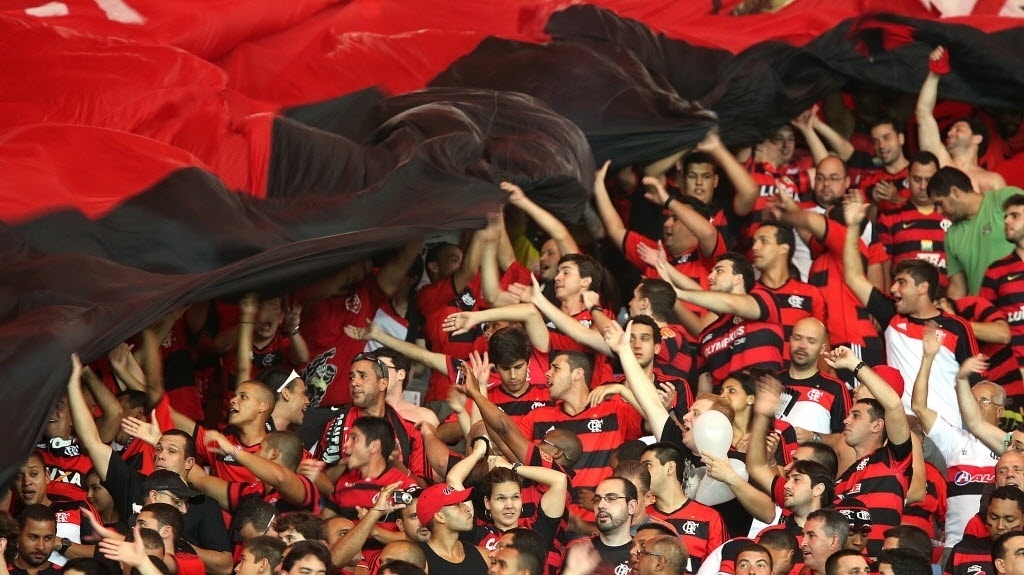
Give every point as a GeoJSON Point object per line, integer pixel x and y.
{"type": "Point", "coordinates": [820, 401]}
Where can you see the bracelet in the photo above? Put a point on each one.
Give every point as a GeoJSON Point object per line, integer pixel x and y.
{"type": "Point", "coordinates": [816, 437]}
{"type": "Point", "coordinates": [294, 331]}
{"type": "Point", "coordinates": [595, 308]}
{"type": "Point", "coordinates": [486, 441]}
{"type": "Point", "coordinates": [668, 201]}
{"type": "Point", "coordinates": [859, 367]}
{"type": "Point", "coordinates": [249, 322]}
{"type": "Point", "coordinates": [516, 466]}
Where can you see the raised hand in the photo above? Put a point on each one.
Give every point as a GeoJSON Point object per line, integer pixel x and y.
{"type": "Point", "coordinates": [854, 209]}
{"type": "Point", "coordinates": [460, 322]}
{"type": "Point", "coordinates": [972, 365]}
{"type": "Point", "coordinates": [841, 357]}
{"type": "Point", "coordinates": [655, 191]}
{"type": "Point", "coordinates": [768, 396]}
{"type": "Point", "coordinates": [515, 193]}
{"type": "Point", "coordinates": [930, 341]}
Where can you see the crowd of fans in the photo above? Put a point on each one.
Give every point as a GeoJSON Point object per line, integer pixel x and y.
{"type": "Point", "coordinates": [816, 370]}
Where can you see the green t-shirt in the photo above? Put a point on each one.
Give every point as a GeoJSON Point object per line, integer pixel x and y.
{"type": "Point", "coordinates": [972, 245]}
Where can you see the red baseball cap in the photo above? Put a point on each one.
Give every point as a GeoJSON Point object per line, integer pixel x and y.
{"type": "Point", "coordinates": [892, 376]}
{"type": "Point", "coordinates": [438, 496]}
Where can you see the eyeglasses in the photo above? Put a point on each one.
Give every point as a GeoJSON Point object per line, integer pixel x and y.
{"type": "Point", "coordinates": [864, 529]}
{"type": "Point", "coordinates": [610, 498]}
{"type": "Point", "coordinates": [382, 370]}
{"type": "Point", "coordinates": [173, 497]}
{"type": "Point", "coordinates": [269, 524]}
{"type": "Point", "coordinates": [985, 402]}
{"type": "Point", "coordinates": [571, 462]}
{"type": "Point", "coordinates": [640, 553]}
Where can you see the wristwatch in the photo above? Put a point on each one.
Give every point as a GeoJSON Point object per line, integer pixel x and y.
{"type": "Point", "coordinates": [65, 544]}
{"type": "Point", "coordinates": [816, 438]}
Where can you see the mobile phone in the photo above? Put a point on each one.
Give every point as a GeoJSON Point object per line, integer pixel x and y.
{"type": "Point", "coordinates": [460, 375]}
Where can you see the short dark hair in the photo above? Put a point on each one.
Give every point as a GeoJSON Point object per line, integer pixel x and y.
{"type": "Point", "coordinates": [398, 359]}
{"type": "Point", "coordinates": [875, 409]}
{"type": "Point", "coordinates": [978, 128]}
{"type": "Point", "coordinates": [649, 322]}
{"type": "Point", "coordinates": [884, 120]}
{"type": "Point", "coordinates": [305, 523]}
{"type": "Point", "coordinates": [532, 549]}
{"type": "Point", "coordinates": [945, 178]}
{"type": "Point", "coordinates": [578, 360]}
{"type": "Point", "coordinates": [135, 399]}
{"type": "Point", "coordinates": [669, 452]}
{"type": "Point", "coordinates": [832, 563]}
{"type": "Point", "coordinates": [633, 468]}
{"type": "Point", "coordinates": [922, 271]}
{"type": "Point", "coordinates": [1008, 493]}
{"type": "Point", "coordinates": [628, 489]}
{"type": "Point", "coordinates": [302, 549]}
{"type": "Point", "coordinates": [699, 158]}
{"type": "Point", "coordinates": [400, 567]}
{"type": "Point", "coordinates": [741, 266]}
{"type": "Point", "coordinates": [784, 235]}
{"type": "Point", "coordinates": [751, 547]}
{"type": "Point", "coordinates": [9, 530]}
{"type": "Point", "coordinates": [190, 442]}
{"type": "Point", "coordinates": [905, 561]}
{"type": "Point", "coordinates": [497, 476]}
{"type": "Point", "coordinates": [87, 565]}
{"type": "Point", "coordinates": [911, 537]}
{"type": "Point", "coordinates": [924, 158]}
{"type": "Point", "coordinates": [275, 377]}
{"type": "Point", "coordinates": [434, 252]}
{"type": "Point", "coordinates": [290, 446]}
{"type": "Point", "coordinates": [823, 454]}
{"type": "Point", "coordinates": [1013, 201]}
{"type": "Point", "coordinates": [377, 429]}
{"type": "Point", "coordinates": [35, 512]}
{"type": "Point", "coordinates": [999, 545]}
{"type": "Point", "coordinates": [630, 450]}
{"type": "Point", "coordinates": [266, 547]}
{"type": "Point", "coordinates": [151, 539]}
{"type": "Point", "coordinates": [818, 474]}
{"type": "Point", "coordinates": [167, 515]}
{"type": "Point", "coordinates": [509, 345]}
{"type": "Point", "coordinates": [780, 538]}
{"type": "Point", "coordinates": [698, 206]}
{"type": "Point", "coordinates": [588, 268]}
{"type": "Point", "coordinates": [255, 511]}
{"type": "Point", "coordinates": [662, 296]}
{"type": "Point", "coordinates": [657, 525]}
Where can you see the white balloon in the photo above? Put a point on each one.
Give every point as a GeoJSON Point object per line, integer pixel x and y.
{"type": "Point", "coordinates": [712, 432]}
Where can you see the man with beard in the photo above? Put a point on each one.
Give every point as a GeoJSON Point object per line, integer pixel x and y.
{"type": "Point", "coordinates": [30, 487]}
{"type": "Point", "coordinates": [1004, 281]}
{"type": "Point", "coordinates": [368, 380]}
{"type": "Point", "coordinates": [808, 487]}
{"type": "Point", "coordinates": [292, 399]}
{"type": "Point", "coordinates": [448, 513]}
{"type": "Point", "coordinates": [819, 401]}
{"type": "Point", "coordinates": [264, 338]}
{"type": "Point", "coordinates": [608, 551]}
{"type": "Point", "coordinates": [966, 140]}
{"type": "Point", "coordinates": [1003, 514]}
{"type": "Point", "coordinates": [1009, 472]}
{"type": "Point", "coordinates": [38, 525]}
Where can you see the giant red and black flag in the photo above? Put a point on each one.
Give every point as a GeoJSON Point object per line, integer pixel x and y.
{"type": "Point", "coordinates": [157, 154]}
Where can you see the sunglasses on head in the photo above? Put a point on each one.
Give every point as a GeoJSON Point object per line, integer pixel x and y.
{"type": "Point", "coordinates": [382, 370]}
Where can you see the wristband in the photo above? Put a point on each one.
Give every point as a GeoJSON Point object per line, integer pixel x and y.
{"type": "Point", "coordinates": [857, 369]}
{"type": "Point", "coordinates": [940, 66]}
{"type": "Point", "coordinates": [668, 201]}
{"type": "Point", "coordinates": [595, 308]}
{"type": "Point", "coordinates": [294, 331]}
{"type": "Point", "coordinates": [516, 466]}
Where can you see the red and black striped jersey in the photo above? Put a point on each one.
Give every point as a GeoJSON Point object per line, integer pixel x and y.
{"type": "Point", "coordinates": [601, 429]}
{"type": "Point", "coordinates": [1003, 285]}
{"type": "Point", "coordinates": [971, 556]}
{"type": "Point", "coordinates": [559, 342]}
{"type": "Point", "coordinates": [731, 343]}
{"type": "Point", "coordinates": [848, 322]}
{"type": "Point", "coordinates": [407, 438]}
{"type": "Point", "coordinates": [534, 397]}
{"type": "Point", "coordinates": [436, 301]}
{"type": "Point", "coordinates": [684, 394]}
{"type": "Point", "coordinates": [691, 264]}
{"type": "Point", "coordinates": [239, 491]}
{"type": "Point", "coordinates": [880, 480]}
{"type": "Point", "coordinates": [225, 466]}
{"type": "Point", "coordinates": [353, 490]}
{"type": "Point", "coordinates": [677, 356]}
{"type": "Point", "coordinates": [820, 402]}
{"type": "Point", "coordinates": [930, 513]}
{"type": "Point", "coordinates": [866, 179]}
{"type": "Point", "coordinates": [323, 328]}
{"type": "Point", "coordinates": [797, 300]}
{"type": "Point", "coordinates": [66, 463]}
{"type": "Point", "coordinates": [139, 454]}
{"type": "Point", "coordinates": [700, 527]}
{"type": "Point", "coordinates": [1002, 365]}
{"type": "Point", "coordinates": [766, 190]}
{"type": "Point", "coordinates": [907, 233]}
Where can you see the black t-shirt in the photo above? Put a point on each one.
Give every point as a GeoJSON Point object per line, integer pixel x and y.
{"type": "Point", "coordinates": [614, 560]}
{"type": "Point", "coordinates": [51, 570]}
{"type": "Point", "coordinates": [204, 522]}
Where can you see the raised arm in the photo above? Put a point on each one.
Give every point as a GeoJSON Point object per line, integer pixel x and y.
{"type": "Point", "coordinates": [646, 394]}
{"type": "Point", "coordinates": [490, 276]}
{"type": "Point", "coordinates": [919, 397]}
{"type": "Point", "coordinates": [351, 543]}
{"type": "Point", "coordinates": [299, 352]}
{"type": "Point", "coordinates": [568, 324]}
{"type": "Point", "coordinates": [109, 421]}
{"type": "Point", "coordinates": [897, 428]}
{"type": "Point", "coordinates": [805, 123]}
{"type": "Point", "coordinates": [391, 276]}
{"type": "Point", "coordinates": [211, 486]}
{"type": "Point", "coordinates": [552, 502]}
{"type": "Point", "coordinates": [988, 433]}
{"type": "Point", "coordinates": [785, 208]}
{"type": "Point", "coordinates": [743, 305]}
{"type": "Point", "coordinates": [283, 480]}
{"type": "Point", "coordinates": [610, 218]}
{"type": "Point", "coordinates": [742, 182]}
{"type": "Point", "coordinates": [461, 322]}
{"type": "Point", "coordinates": [755, 501]}
{"type": "Point", "coordinates": [435, 361]}
{"type": "Point", "coordinates": [85, 426]}
{"type": "Point", "coordinates": [707, 234]}
{"type": "Point", "coordinates": [460, 471]}
{"type": "Point", "coordinates": [249, 306]}
{"type": "Point", "coordinates": [928, 136]}
{"type": "Point", "coordinates": [766, 404]}
{"type": "Point", "coordinates": [551, 225]}
{"type": "Point", "coordinates": [497, 420]}
{"type": "Point", "coordinates": [854, 212]}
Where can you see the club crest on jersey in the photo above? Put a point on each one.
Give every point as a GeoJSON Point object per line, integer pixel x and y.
{"type": "Point", "coordinates": [622, 569]}
{"type": "Point", "coordinates": [353, 304]}
{"type": "Point", "coordinates": [468, 300]}
{"type": "Point", "coordinates": [814, 395]}
{"type": "Point", "coordinates": [689, 528]}
{"type": "Point", "coordinates": [796, 302]}
{"type": "Point", "coordinates": [595, 425]}
{"type": "Point", "coordinates": [945, 224]}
